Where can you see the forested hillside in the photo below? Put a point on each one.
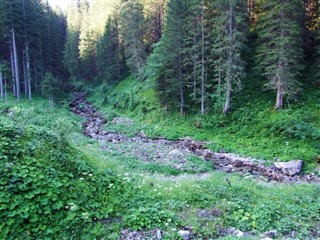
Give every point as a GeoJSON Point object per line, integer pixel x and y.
{"type": "Point", "coordinates": [160, 119]}
{"type": "Point", "coordinates": [197, 54]}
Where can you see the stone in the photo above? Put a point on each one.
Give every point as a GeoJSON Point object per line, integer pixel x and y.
{"type": "Point", "coordinates": [238, 233]}
{"type": "Point", "coordinates": [184, 234]}
{"type": "Point", "coordinates": [122, 121]}
{"type": "Point", "coordinates": [291, 168]}
{"type": "Point", "coordinates": [159, 234]}
{"type": "Point", "coordinates": [228, 169]}
{"type": "Point", "coordinates": [176, 153]}
{"type": "Point", "coordinates": [272, 234]}
{"type": "Point", "coordinates": [237, 163]}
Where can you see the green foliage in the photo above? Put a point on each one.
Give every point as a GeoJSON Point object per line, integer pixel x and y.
{"type": "Point", "coordinates": [50, 192]}
{"type": "Point", "coordinates": [149, 216]}
{"type": "Point", "coordinates": [110, 58]}
{"type": "Point", "coordinates": [254, 129]}
{"type": "Point", "coordinates": [49, 84]}
{"type": "Point", "coordinates": [228, 47]}
{"type": "Point", "coordinates": [132, 30]}
{"type": "Point", "coordinates": [279, 53]}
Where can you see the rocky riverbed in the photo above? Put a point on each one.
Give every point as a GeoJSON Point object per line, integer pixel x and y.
{"type": "Point", "coordinates": [176, 153]}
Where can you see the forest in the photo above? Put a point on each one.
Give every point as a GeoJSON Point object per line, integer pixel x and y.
{"type": "Point", "coordinates": [160, 119]}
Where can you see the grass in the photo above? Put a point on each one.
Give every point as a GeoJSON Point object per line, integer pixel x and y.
{"type": "Point", "coordinates": [253, 128]}
{"type": "Point", "coordinates": [155, 196]}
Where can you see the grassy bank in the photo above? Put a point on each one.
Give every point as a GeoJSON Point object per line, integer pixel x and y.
{"type": "Point", "coordinates": [253, 128]}
{"type": "Point", "coordinates": [56, 183]}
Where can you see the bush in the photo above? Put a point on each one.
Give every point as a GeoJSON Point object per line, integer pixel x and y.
{"type": "Point", "coordinates": [47, 190]}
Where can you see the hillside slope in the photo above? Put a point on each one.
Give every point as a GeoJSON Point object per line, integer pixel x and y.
{"type": "Point", "coordinates": [253, 128]}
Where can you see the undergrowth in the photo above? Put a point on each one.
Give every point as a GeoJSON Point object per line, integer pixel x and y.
{"type": "Point", "coordinates": [253, 128]}
{"type": "Point", "coordinates": [57, 184]}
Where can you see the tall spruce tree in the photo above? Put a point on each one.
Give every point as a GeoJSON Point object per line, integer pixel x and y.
{"type": "Point", "coordinates": [110, 58]}
{"type": "Point", "coordinates": [132, 30]}
{"type": "Point", "coordinates": [71, 49]}
{"type": "Point", "coordinates": [279, 55]}
{"type": "Point", "coordinates": [230, 32]}
{"type": "Point", "coordinates": [166, 64]}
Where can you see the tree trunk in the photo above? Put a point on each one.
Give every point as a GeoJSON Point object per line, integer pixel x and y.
{"type": "Point", "coordinates": [226, 108]}
{"type": "Point", "coordinates": [41, 69]}
{"type": "Point", "coordinates": [194, 41]}
{"type": "Point", "coordinates": [25, 81]}
{"type": "Point", "coordinates": [12, 72]}
{"type": "Point", "coordinates": [28, 72]}
{"type": "Point", "coordinates": [1, 84]}
{"type": "Point", "coordinates": [16, 67]}
{"type": "Point", "coordinates": [202, 62]}
{"type": "Point", "coordinates": [279, 100]}
{"type": "Point", "coordinates": [181, 85]}
{"type": "Point", "coordinates": [26, 61]}
{"type": "Point", "coordinates": [180, 72]}
{"type": "Point", "coordinates": [5, 90]}
{"type": "Point", "coordinates": [219, 81]}
{"type": "Point", "coordinates": [36, 84]}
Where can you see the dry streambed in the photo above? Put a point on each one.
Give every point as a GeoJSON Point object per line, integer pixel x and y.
{"type": "Point", "coordinates": [177, 153]}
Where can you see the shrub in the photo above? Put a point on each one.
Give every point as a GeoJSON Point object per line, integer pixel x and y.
{"type": "Point", "coordinates": [47, 190]}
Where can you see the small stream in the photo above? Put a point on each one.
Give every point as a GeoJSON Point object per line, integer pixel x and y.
{"type": "Point", "coordinates": [162, 151]}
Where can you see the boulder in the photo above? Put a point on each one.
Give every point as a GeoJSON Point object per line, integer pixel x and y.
{"type": "Point", "coordinates": [239, 233]}
{"type": "Point", "coordinates": [291, 168]}
{"type": "Point", "coordinates": [184, 234]}
{"type": "Point", "coordinates": [159, 234]}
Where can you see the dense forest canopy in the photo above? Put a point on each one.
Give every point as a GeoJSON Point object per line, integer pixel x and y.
{"type": "Point", "coordinates": [196, 53]}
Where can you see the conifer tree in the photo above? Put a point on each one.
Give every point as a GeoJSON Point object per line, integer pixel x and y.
{"type": "Point", "coordinates": [230, 32]}
{"type": "Point", "coordinates": [132, 30]}
{"type": "Point", "coordinates": [279, 55]}
{"type": "Point", "coordinates": [167, 64]}
{"type": "Point", "coordinates": [71, 51]}
{"type": "Point", "coordinates": [110, 60]}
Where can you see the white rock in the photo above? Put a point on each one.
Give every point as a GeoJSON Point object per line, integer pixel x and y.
{"type": "Point", "coordinates": [290, 168]}
{"type": "Point", "coordinates": [184, 234]}
{"type": "Point", "coordinates": [266, 238]}
{"type": "Point", "coordinates": [159, 234]}
{"type": "Point", "coordinates": [238, 233]}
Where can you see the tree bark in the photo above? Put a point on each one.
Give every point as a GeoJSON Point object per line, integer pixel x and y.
{"type": "Point", "coordinates": [28, 72]}
{"type": "Point", "coordinates": [16, 66]}
{"type": "Point", "coordinates": [1, 84]}
{"type": "Point", "coordinates": [194, 41]}
{"type": "Point", "coordinates": [5, 90]}
{"type": "Point", "coordinates": [202, 62]}
{"type": "Point", "coordinates": [25, 81]}
{"type": "Point", "coordinates": [36, 84]}
{"type": "Point", "coordinates": [226, 108]}
{"type": "Point", "coordinates": [180, 81]}
{"type": "Point", "coordinates": [279, 100]}
{"type": "Point", "coordinates": [12, 72]}
{"type": "Point", "coordinates": [180, 70]}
